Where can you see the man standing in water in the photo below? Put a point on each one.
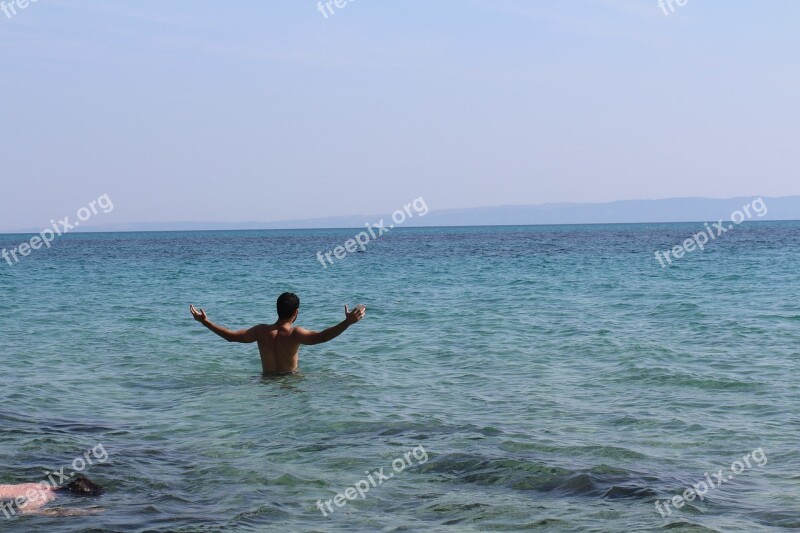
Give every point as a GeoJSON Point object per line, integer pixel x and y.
{"type": "Point", "coordinates": [279, 343]}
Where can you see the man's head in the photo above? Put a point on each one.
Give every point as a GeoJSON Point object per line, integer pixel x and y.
{"type": "Point", "coordinates": [82, 487]}
{"type": "Point", "coordinates": [288, 304]}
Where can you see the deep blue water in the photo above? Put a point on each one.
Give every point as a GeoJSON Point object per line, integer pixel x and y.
{"type": "Point", "coordinates": [557, 378]}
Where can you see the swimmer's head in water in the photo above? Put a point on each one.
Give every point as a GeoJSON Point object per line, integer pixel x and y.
{"type": "Point", "coordinates": [82, 486]}
{"type": "Point", "coordinates": [288, 304]}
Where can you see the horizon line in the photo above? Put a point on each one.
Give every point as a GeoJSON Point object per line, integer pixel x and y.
{"type": "Point", "coordinates": [397, 227]}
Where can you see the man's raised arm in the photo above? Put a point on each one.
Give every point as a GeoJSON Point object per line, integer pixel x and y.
{"type": "Point", "coordinates": [243, 335]}
{"type": "Point", "coordinates": [304, 336]}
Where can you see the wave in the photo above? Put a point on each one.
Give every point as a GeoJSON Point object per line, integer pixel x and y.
{"type": "Point", "coordinates": [518, 474]}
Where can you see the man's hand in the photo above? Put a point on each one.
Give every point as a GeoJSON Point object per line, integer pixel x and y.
{"type": "Point", "coordinates": [200, 315]}
{"type": "Point", "coordinates": [243, 335]}
{"type": "Point", "coordinates": [351, 317]}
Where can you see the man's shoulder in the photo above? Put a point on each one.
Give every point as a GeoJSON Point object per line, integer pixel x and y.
{"type": "Point", "coordinates": [297, 334]}
{"type": "Point", "coordinates": [278, 329]}
{"type": "Point", "coordinates": [262, 329]}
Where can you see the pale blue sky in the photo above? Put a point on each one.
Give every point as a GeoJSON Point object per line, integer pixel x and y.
{"type": "Point", "coordinates": [265, 110]}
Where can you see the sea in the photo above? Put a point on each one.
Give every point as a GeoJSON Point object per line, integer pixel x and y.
{"type": "Point", "coordinates": [537, 378]}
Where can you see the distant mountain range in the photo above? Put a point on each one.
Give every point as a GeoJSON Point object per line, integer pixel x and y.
{"type": "Point", "coordinates": [620, 212]}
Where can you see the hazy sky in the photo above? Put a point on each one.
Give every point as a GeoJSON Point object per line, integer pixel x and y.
{"type": "Point", "coordinates": [266, 110]}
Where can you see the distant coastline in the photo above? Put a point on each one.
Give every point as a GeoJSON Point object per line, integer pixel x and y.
{"type": "Point", "coordinates": [620, 212]}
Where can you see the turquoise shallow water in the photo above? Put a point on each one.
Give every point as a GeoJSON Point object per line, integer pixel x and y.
{"type": "Point", "coordinates": [557, 377]}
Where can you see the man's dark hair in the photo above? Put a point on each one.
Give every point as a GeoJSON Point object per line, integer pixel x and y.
{"type": "Point", "coordinates": [288, 303]}
{"type": "Point", "coordinates": [82, 486]}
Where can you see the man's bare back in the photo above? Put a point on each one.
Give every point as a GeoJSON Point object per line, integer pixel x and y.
{"type": "Point", "coordinates": [279, 343]}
